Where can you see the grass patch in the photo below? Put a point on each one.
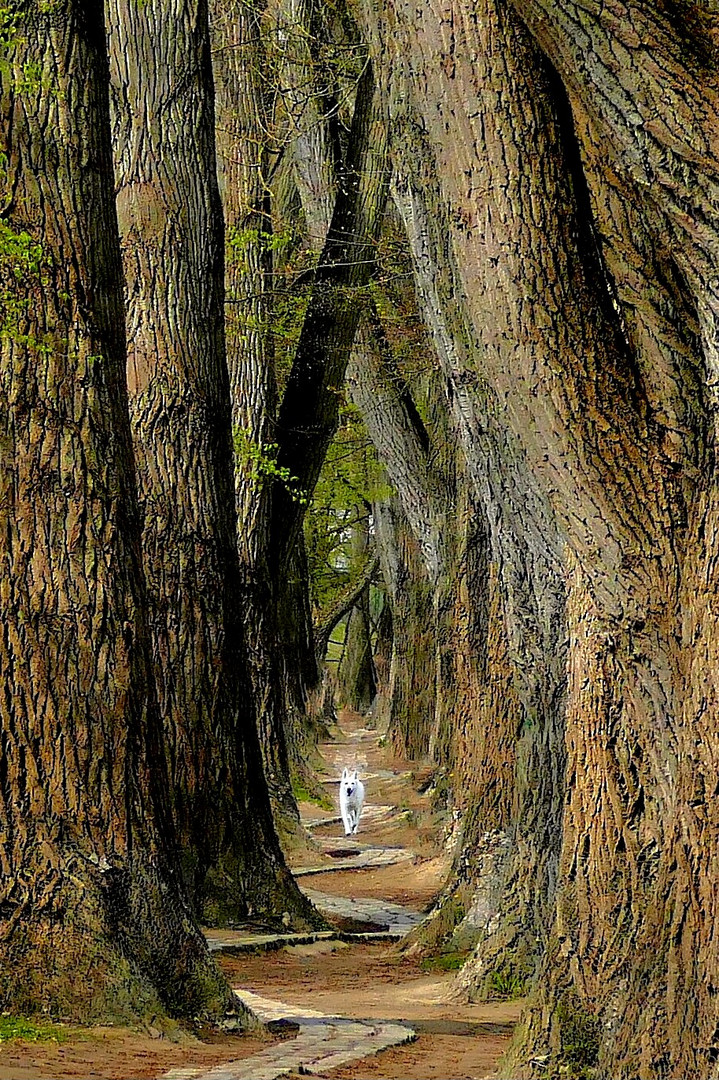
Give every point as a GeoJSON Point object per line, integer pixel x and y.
{"type": "Point", "coordinates": [303, 794]}
{"type": "Point", "coordinates": [17, 1027]}
{"type": "Point", "coordinates": [579, 1033]}
{"type": "Point", "coordinates": [448, 961]}
{"type": "Point", "coordinates": [506, 985]}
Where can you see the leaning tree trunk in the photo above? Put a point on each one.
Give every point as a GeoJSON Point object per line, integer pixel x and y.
{"type": "Point", "coordinates": [93, 923]}
{"type": "Point", "coordinates": [609, 419]}
{"type": "Point", "coordinates": [242, 122]}
{"type": "Point", "coordinates": [172, 236]}
{"type": "Point", "coordinates": [408, 707]}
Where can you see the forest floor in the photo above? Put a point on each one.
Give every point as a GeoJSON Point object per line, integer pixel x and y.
{"type": "Point", "coordinates": [386, 876]}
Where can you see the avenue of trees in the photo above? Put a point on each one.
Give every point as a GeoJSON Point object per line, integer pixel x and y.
{"type": "Point", "coordinates": [389, 328]}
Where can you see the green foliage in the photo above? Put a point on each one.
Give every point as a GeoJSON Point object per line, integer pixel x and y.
{"type": "Point", "coordinates": [579, 1033]}
{"type": "Point", "coordinates": [9, 23]}
{"type": "Point", "coordinates": [446, 961]}
{"type": "Point", "coordinates": [17, 1027]}
{"type": "Point", "coordinates": [21, 256]}
{"type": "Point", "coordinates": [260, 460]}
{"type": "Point", "coordinates": [23, 275]}
{"type": "Point", "coordinates": [240, 242]}
{"type": "Point", "coordinates": [506, 985]}
{"type": "Point", "coordinates": [29, 78]}
{"type": "Point", "coordinates": [302, 794]}
{"type": "Point", "coordinates": [351, 479]}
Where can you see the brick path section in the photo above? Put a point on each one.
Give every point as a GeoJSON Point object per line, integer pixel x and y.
{"type": "Point", "coordinates": [324, 1042]}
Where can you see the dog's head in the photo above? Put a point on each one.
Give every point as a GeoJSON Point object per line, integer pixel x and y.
{"type": "Point", "coordinates": [348, 781]}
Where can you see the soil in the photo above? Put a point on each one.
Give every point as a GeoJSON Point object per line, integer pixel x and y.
{"type": "Point", "coordinates": [455, 1041]}
{"type": "Point", "coordinates": [412, 883]}
{"type": "Point", "coordinates": [109, 1053]}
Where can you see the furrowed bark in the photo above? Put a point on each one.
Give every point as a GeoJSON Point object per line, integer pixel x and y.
{"type": "Point", "coordinates": [242, 122]}
{"type": "Point", "coordinates": [522, 533]}
{"type": "Point", "coordinates": [94, 926]}
{"type": "Point", "coordinates": [651, 121]}
{"type": "Point", "coordinates": [171, 229]}
{"type": "Point", "coordinates": [407, 706]}
{"type": "Point", "coordinates": [311, 98]}
{"type": "Point", "coordinates": [594, 416]}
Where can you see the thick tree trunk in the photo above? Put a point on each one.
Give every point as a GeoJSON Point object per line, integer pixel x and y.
{"type": "Point", "coordinates": [93, 923]}
{"type": "Point", "coordinates": [172, 236]}
{"type": "Point", "coordinates": [609, 419]}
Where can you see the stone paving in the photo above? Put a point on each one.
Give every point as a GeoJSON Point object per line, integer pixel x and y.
{"type": "Point", "coordinates": [324, 1042]}
{"type": "Point", "coordinates": [396, 917]}
{"type": "Point", "coordinates": [371, 812]}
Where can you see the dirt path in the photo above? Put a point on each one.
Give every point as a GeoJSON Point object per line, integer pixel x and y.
{"type": "Point", "coordinates": [385, 876]}
{"type": "Point", "coordinates": [350, 994]}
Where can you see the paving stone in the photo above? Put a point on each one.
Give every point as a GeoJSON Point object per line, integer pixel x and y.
{"type": "Point", "coordinates": [324, 1042]}
{"type": "Point", "coordinates": [371, 812]}
{"type": "Point", "coordinates": [316, 948]}
{"type": "Point", "coordinates": [396, 917]}
{"type": "Point", "coordinates": [235, 941]}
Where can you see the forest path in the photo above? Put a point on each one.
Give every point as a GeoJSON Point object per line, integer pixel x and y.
{"type": "Point", "coordinates": [350, 993]}
{"type": "Point", "coordinates": [346, 985]}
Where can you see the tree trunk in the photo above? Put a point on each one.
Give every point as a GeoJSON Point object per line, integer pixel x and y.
{"type": "Point", "coordinates": [356, 675]}
{"type": "Point", "coordinates": [609, 420]}
{"type": "Point", "coordinates": [94, 926]}
{"type": "Point", "coordinates": [308, 416]}
{"type": "Point", "coordinates": [311, 98]}
{"type": "Point", "coordinates": [242, 122]}
{"type": "Point", "coordinates": [172, 237]}
{"type": "Point", "coordinates": [409, 703]}
{"type": "Point", "coordinates": [326, 621]}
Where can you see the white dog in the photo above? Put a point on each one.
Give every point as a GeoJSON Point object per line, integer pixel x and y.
{"type": "Point", "coordinates": [351, 800]}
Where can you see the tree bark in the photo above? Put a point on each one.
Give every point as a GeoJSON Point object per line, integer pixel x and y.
{"type": "Point", "coordinates": [611, 425]}
{"type": "Point", "coordinates": [311, 94]}
{"type": "Point", "coordinates": [243, 121]}
{"type": "Point", "coordinates": [171, 229]}
{"type": "Point", "coordinates": [94, 924]}
{"type": "Point", "coordinates": [408, 705]}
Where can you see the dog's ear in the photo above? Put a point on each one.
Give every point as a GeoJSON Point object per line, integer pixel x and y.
{"type": "Point", "coordinates": [344, 774]}
{"type": "Point", "coordinates": [354, 774]}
